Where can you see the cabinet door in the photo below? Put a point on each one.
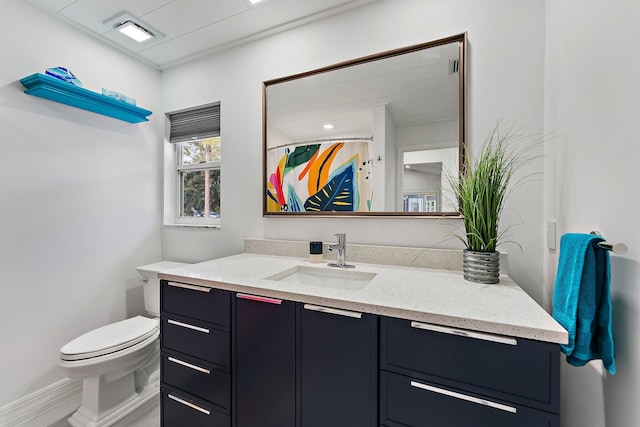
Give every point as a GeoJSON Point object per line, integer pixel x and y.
{"type": "Point", "coordinates": [196, 338]}
{"type": "Point", "coordinates": [338, 367]}
{"type": "Point", "coordinates": [518, 370]}
{"type": "Point", "coordinates": [198, 378]}
{"type": "Point", "coordinates": [197, 302]}
{"type": "Point", "coordinates": [406, 402]}
{"type": "Point", "coordinates": [179, 409]}
{"type": "Point", "coordinates": [265, 362]}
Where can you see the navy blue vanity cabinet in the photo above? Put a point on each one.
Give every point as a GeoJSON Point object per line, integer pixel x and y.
{"type": "Point", "coordinates": [195, 363]}
{"type": "Point", "coordinates": [439, 376]}
{"type": "Point", "coordinates": [264, 369]}
{"type": "Point", "coordinates": [338, 367]}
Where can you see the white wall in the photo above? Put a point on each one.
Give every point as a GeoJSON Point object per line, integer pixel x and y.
{"type": "Point", "coordinates": [433, 135]}
{"type": "Point", "coordinates": [448, 159]}
{"type": "Point", "coordinates": [506, 80]}
{"type": "Point", "coordinates": [81, 200]}
{"type": "Point", "coordinates": [592, 98]}
{"type": "Point", "coordinates": [384, 159]}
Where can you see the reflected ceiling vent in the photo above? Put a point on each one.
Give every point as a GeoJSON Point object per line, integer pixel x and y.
{"type": "Point", "coordinates": [454, 66]}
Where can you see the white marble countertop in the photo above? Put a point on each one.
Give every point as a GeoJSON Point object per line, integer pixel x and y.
{"type": "Point", "coordinates": [426, 295]}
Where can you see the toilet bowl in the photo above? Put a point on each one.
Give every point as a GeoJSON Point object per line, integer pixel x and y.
{"type": "Point", "coordinates": [118, 363]}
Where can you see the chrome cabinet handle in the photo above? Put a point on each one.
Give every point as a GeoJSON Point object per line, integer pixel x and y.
{"type": "Point", "coordinates": [259, 299]}
{"type": "Point", "coordinates": [468, 334]}
{"type": "Point", "coordinates": [461, 396]}
{"type": "Point", "coordinates": [189, 365]}
{"type": "Point", "coordinates": [192, 287]}
{"type": "Point", "coordinates": [333, 311]}
{"type": "Point", "coordinates": [188, 326]}
{"type": "Point", "coordinates": [189, 404]}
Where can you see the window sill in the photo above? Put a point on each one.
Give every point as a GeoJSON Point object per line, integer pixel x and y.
{"type": "Point", "coordinates": [192, 225]}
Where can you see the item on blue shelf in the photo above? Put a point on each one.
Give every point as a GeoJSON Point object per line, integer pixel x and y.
{"type": "Point", "coordinates": [118, 96]}
{"type": "Point", "coordinates": [64, 75]}
{"type": "Point", "coordinates": [110, 93]}
{"type": "Point", "coordinates": [126, 99]}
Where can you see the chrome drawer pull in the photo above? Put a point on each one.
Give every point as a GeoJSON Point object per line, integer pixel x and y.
{"type": "Point", "coordinates": [259, 299]}
{"type": "Point", "coordinates": [188, 326]}
{"type": "Point", "coordinates": [192, 287]}
{"type": "Point", "coordinates": [189, 365]}
{"type": "Point", "coordinates": [333, 311]}
{"type": "Point", "coordinates": [468, 334]}
{"type": "Point", "coordinates": [189, 404]}
{"type": "Point", "coordinates": [464, 397]}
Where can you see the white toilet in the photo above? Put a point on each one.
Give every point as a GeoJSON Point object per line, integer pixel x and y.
{"type": "Point", "coordinates": [118, 363]}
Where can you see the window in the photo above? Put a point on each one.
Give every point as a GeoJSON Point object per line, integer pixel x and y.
{"type": "Point", "coordinates": [196, 135]}
{"type": "Point", "coordinates": [420, 202]}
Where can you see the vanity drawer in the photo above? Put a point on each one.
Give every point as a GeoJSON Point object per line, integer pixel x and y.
{"type": "Point", "coordinates": [405, 401]}
{"type": "Point", "coordinates": [197, 302]}
{"type": "Point", "coordinates": [196, 338]}
{"type": "Point", "coordinates": [198, 378]}
{"type": "Point", "coordinates": [517, 370]}
{"type": "Point", "coordinates": [179, 409]}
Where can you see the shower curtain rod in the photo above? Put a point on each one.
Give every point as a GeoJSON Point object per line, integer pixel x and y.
{"type": "Point", "coordinates": [320, 140]}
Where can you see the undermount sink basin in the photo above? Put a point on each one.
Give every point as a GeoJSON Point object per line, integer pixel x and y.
{"type": "Point", "coordinates": [327, 277]}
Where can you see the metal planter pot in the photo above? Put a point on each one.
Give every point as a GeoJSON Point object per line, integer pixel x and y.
{"type": "Point", "coordinates": [481, 267]}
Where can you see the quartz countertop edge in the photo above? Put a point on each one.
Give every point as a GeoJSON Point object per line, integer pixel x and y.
{"type": "Point", "coordinates": [432, 296]}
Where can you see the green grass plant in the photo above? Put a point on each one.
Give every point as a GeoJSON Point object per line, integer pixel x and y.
{"type": "Point", "coordinates": [484, 185]}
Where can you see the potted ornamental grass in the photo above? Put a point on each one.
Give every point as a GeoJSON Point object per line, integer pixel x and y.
{"type": "Point", "coordinates": [482, 188]}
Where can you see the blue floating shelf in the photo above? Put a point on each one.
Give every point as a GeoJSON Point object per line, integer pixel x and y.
{"type": "Point", "coordinates": [60, 91]}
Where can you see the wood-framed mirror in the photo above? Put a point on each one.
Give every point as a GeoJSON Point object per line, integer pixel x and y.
{"type": "Point", "coordinates": [373, 136]}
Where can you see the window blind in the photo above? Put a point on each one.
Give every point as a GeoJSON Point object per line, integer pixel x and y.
{"type": "Point", "coordinates": [196, 123]}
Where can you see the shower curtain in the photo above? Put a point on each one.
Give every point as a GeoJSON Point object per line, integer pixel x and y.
{"type": "Point", "coordinates": [321, 177]}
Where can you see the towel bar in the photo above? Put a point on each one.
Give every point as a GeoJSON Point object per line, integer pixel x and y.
{"type": "Point", "coordinates": [616, 248]}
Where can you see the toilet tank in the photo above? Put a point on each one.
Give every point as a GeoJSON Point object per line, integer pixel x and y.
{"type": "Point", "coordinates": [151, 283]}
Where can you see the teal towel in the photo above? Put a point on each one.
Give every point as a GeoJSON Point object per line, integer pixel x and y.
{"type": "Point", "coordinates": [581, 301]}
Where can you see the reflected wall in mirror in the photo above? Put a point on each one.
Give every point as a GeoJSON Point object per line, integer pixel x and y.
{"type": "Point", "coordinates": [372, 136]}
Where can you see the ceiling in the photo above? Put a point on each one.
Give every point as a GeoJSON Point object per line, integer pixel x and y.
{"type": "Point", "coordinates": [415, 88]}
{"type": "Point", "coordinates": [189, 29]}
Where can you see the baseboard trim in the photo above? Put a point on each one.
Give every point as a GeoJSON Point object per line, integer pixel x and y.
{"type": "Point", "coordinates": [43, 407]}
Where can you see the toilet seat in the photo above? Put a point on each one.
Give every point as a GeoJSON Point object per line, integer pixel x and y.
{"type": "Point", "coordinates": [110, 338]}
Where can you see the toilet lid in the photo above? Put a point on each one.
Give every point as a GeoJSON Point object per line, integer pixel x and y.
{"type": "Point", "coordinates": [110, 338]}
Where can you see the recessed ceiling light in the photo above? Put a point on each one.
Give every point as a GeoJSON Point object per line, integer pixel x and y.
{"type": "Point", "coordinates": [328, 126]}
{"type": "Point", "coordinates": [135, 31]}
{"type": "Point", "coordinates": [255, 1]}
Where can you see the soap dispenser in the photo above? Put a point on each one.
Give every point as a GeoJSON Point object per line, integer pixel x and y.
{"type": "Point", "coordinates": [315, 252]}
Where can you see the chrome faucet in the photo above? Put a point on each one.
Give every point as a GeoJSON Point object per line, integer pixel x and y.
{"type": "Point", "coordinates": [341, 247]}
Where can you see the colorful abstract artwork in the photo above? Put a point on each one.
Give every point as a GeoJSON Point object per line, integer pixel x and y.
{"type": "Point", "coordinates": [323, 177]}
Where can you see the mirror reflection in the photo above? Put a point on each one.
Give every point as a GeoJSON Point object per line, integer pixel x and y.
{"type": "Point", "coordinates": [372, 136]}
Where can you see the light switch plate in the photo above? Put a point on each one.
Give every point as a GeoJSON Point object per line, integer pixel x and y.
{"type": "Point", "coordinates": [551, 234]}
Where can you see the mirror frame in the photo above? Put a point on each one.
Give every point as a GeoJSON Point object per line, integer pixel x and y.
{"type": "Point", "coordinates": [461, 39]}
